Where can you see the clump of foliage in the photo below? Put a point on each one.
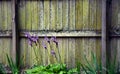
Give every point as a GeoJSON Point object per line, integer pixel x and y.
{"type": "Point", "coordinates": [14, 66]}
{"type": "Point", "coordinates": [55, 68]}
{"type": "Point", "coordinates": [94, 67]}
{"type": "Point", "coordinates": [2, 70]}
{"type": "Point", "coordinates": [91, 67]}
{"type": "Point", "coordinates": [51, 69]}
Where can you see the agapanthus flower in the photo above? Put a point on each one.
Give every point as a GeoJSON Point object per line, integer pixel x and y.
{"type": "Point", "coordinates": [53, 38]}
{"type": "Point", "coordinates": [31, 39]}
{"type": "Point", "coordinates": [47, 39]}
{"type": "Point", "coordinates": [27, 35]}
{"type": "Point", "coordinates": [34, 39]}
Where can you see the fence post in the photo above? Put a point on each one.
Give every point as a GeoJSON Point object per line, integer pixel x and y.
{"type": "Point", "coordinates": [14, 39]}
{"type": "Point", "coordinates": [104, 36]}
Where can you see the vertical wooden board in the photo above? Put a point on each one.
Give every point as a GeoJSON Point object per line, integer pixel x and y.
{"type": "Point", "coordinates": [114, 14]}
{"type": "Point", "coordinates": [4, 50]}
{"type": "Point", "coordinates": [79, 14]}
{"type": "Point", "coordinates": [118, 14]}
{"type": "Point", "coordinates": [53, 7]}
{"type": "Point", "coordinates": [1, 50]}
{"type": "Point", "coordinates": [46, 14]}
{"type": "Point", "coordinates": [92, 15]}
{"type": "Point", "coordinates": [22, 15]}
{"type": "Point", "coordinates": [78, 50]}
{"type": "Point", "coordinates": [114, 49]}
{"type": "Point", "coordinates": [0, 15]}
{"type": "Point", "coordinates": [71, 57]}
{"type": "Point", "coordinates": [92, 45]}
{"type": "Point", "coordinates": [27, 54]}
{"type": "Point", "coordinates": [22, 49]}
{"type": "Point", "coordinates": [34, 11]}
{"type": "Point", "coordinates": [59, 15]}
{"type": "Point", "coordinates": [65, 15]}
{"type": "Point", "coordinates": [98, 49]}
{"type": "Point", "coordinates": [9, 15]}
{"type": "Point", "coordinates": [4, 15]}
{"type": "Point", "coordinates": [28, 13]}
{"type": "Point", "coordinates": [7, 48]}
{"type": "Point", "coordinates": [41, 49]}
{"type": "Point", "coordinates": [53, 59]}
{"type": "Point", "coordinates": [41, 15]}
{"type": "Point", "coordinates": [86, 49]}
{"type": "Point", "coordinates": [92, 48]}
{"type": "Point", "coordinates": [85, 14]}
{"type": "Point", "coordinates": [72, 15]}
{"type": "Point", "coordinates": [59, 50]}
{"type": "Point", "coordinates": [99, 14]}
{"type": "Point", "coordinates": [47, 54]}
{"type": "Point", "coordinates": [118, 51]}
{"type": "Point", "coordinates": [65, 50]}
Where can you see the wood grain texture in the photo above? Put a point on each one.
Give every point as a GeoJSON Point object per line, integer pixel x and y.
{"type": "Point", "coordinates": [53, 11]}
{"type": "Point", "coordinates": [68, 17]}
{"type": "Point", "coordinates": [99, 14]}
{"type": "Point", "coordinates": [71, 53]}
{"type": "Point", "coordinates": [92, 15]}
{"type": "Point", "coordinates": [46, 14]}
{"type": "Point", "coordinates": [9, 15]}
{"type": "Point", "coordinates": [0, 15]}
{"type": "Point", "coordinates": [59, 15]}
{"type": "Point", "coordinates": [22, 15]}
{"type": "Point", "coordinates": [71, 15]}
{"type": "Point", "coordinates": [28, 15]}
{"type": "Point", "coordinates": [35, 16]}
{"type": "Point", "coordinates": [85, 14]}
{"type": "Point", "coordinates": [41, 15]}
{"type": "Point", "coordinates": [65, 15]}
{"type": "Point", "coordinates": [79, 15]}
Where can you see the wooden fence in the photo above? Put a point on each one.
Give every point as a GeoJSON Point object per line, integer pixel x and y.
{"type": "Point", "coordinates": [76, 24]}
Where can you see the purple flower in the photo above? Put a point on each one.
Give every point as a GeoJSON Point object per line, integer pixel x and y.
{"type": "Point", "coordinates": [54, 40]}
{"type": "Point", "coordinates": [52, 52]}
{"type": "Point", "coordinates": [31, 39]}
{"type": "Point", "coordinates": [47, 39]}
{"type": "Point", "coordinates": [34, 39]}
{"type": "Point", "coordinates": [27, 35]}
{"type": "Point", "coordinates": [44, 46]}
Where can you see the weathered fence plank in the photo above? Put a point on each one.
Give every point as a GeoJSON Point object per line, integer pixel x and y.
{"type": "Point", "coordinates": [22, 15]}
{"type": "Point", "coordinates": [46, 14]}
{"type": "Point", "coordinates": [53, 20]}
{"type": "Point", "coordinates": [65, 15]}
{"type": "Point", "coordinates": [28, 15]}
{"type": "Point", "coordinates": [98, 15]}
{"type": "Point", "coordinates": [85, 14]}
{"type": "Point", "coordinates": [41, 15]}
{"type": "Point", "coordinates": [79, 12]}
{"type": "Point", "coordinates": [71, 15]}
{"type": "Point", "coordinates": [9, 15]}
{"type": "Point", "coordinates": [59, 15]}
{"type": "Point", "coordinates": [92, 15]}
{"type": "Point", "coordinates": [0, 15]}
